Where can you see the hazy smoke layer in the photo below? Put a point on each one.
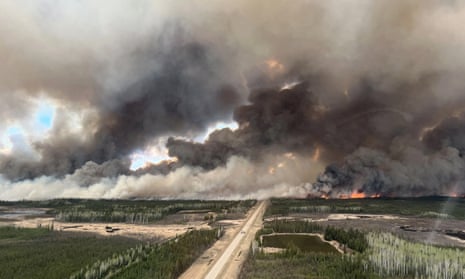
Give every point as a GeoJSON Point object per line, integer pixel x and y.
{"type": "Point", "coordinates": [372, 88]}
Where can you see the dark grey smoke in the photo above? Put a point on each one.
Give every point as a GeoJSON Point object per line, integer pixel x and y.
{"type": "Point", "coordinates": [411, 173]}
{"type": "Point", "coordinates": [380, 94]}
{"type": "Point", "coordinates": [448, 133]}
{"type": "Point", "coordinates": [296, 120]}
{"type": "Point", "coordinates": [183, 95]}
{"type": "Point", "coordinates": [432, 165]}
{"type": "Point", "coordinates": [372, 143]}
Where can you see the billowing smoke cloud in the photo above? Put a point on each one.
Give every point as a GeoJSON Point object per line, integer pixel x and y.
{"type": "Point", "coordinates": [373, 89]}
{"type": "Point", "coordinates": [232, 181]}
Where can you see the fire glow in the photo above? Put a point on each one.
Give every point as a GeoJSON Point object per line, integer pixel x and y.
{"type": "Point", "coordinates": [274, 65]}
{"type": "Point", "coordinates": [356, 194]}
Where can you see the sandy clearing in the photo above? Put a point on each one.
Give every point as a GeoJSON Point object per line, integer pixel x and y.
{"type": "Point", "coordinates": [455, 239]}
{"type": "Point", "coordinates": [141, 232]}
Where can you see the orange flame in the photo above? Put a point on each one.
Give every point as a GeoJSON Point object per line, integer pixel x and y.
{"type": "Point", "coordinates": [353, 195]}
{"type": "Point", "coordinates": [357, 195]}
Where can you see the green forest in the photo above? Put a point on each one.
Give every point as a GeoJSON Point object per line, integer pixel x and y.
{"type": "Point", "coordinates": [42, 253]}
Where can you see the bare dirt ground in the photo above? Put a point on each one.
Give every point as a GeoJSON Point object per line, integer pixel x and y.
{"type": "Point", "coordinates": [34, 218]}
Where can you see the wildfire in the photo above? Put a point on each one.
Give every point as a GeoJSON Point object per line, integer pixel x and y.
{"type": "Point", "coordinates": [357, 195]}
{"type": "Point", "coordinates": [274, 65]}
{"type": "Point", "coordinates": [353, 195]}
{"type": "Point", "coordinates": [271, 170]}
{"type": "Point", "coordinates": [316, 155]}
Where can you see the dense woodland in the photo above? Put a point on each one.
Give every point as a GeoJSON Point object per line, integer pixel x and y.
{"type": "Point", "coordinates": [171, 259]}
{"type": "Point", "coordinates": [140, 212]}
{"type": "Point", "coordinates": [295, 264]}
{"type": "Point", "coordinates": [392, 256]}
{"type": "Point", "coordinates": [354, 239]}
{"type": "Point", "coordinates": [42, 253]}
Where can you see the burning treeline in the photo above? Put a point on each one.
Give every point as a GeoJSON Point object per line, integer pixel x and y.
{"type": "Point", "coordinates": [332, 98]}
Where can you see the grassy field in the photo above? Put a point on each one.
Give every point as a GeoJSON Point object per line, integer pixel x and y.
{"type": "Point", "coordinates": [428, 207]}
{"type": "Point", "coordinates": [40, 253]}
{"type": "Point", "coordinates": [307, 243]}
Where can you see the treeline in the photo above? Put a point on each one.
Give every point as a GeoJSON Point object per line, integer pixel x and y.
{"type": "Point", "coordinates": [354, 239]}
{"type": "Point", "coordinates": [288, 226]}
{"type": "Point", "coordinates": [433, 206]}
{"type": "Point", "coordinates": [41, 253]}
{"type": "Point", "coordinates": [296, 264]}
{"type": "Point", "coordinates": [137, 212]}
{"type": "Point", "coordinates": [392, 256]}
{"type": "Point", "coordinates": [166, 260]}
{"type": "Point", "coordinates": [113, 216]}
{"type": "Point", "coordinates": [171, 259]}
{"type": "Point", "coordinates": [112, 265]}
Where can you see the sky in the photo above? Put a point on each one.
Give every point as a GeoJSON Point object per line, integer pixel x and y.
{"type": "Point", "coordinates": [231, 99]}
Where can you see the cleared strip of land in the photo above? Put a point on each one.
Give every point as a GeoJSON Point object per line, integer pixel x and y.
{"type": "Point", "coordinates": [230, 262]}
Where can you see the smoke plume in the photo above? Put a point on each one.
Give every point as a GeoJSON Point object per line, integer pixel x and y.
{"type": "Point", "coordinates": [330, 97]}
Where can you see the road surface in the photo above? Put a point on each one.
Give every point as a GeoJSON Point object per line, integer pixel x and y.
{"type": "Point", "coordinates": [228, 265]}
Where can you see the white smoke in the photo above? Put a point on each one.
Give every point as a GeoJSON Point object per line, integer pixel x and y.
{"type": "Point", "coordinates": [239, 179]}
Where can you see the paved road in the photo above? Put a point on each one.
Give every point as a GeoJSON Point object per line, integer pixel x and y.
{"type": "Point", "coordinates": [245, 234]}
